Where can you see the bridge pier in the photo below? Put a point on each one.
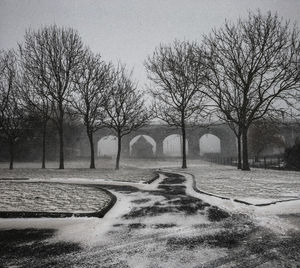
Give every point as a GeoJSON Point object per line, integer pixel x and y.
{"type": "Point", "coordinates": [125, 150]}
{"type": "Point", "coordinates": [193, 146]}
{"type": "Point", "coordinates": [159, 148]}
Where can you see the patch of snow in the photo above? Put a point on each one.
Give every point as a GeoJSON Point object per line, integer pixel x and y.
{"type": "Point", "coordinates": [168, 218]}
{"type": "Point", "coordinates": [266, 216]}
{"type": "Point", "coordinates": [283, 208]}
{"type": "Point", "coordinates": [51, 197]}
{"type": "Point", "coordinates": [97, 228]}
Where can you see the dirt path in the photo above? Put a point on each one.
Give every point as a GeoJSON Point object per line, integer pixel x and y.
{"type": "Point", "coordinates": [156, 225]}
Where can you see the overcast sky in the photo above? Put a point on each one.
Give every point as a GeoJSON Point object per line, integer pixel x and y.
{"type": "Point", "coordinates": [129, 30]}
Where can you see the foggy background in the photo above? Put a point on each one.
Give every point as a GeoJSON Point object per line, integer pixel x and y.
{"type": "Point", "coordinates": [128, 31]}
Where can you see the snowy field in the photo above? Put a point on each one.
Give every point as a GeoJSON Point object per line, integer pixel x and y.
{"type": "Point", "coordinates": [166, 223]}
{"type": "Point", "coordinates": [257, 186]}
{"type": "Point", "coordinates": [75, 169]}
{"type": "Point", "coordinates": [162, 224]}
{"type": "Point", "coordinates": [51, 197]}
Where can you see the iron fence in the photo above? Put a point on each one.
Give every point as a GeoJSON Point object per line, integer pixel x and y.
{"type": "Point", "coordinates": [266, 162]}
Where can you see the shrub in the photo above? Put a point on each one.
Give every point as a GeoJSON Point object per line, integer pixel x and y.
{"type": "Point", "coordinates": [292, 157]}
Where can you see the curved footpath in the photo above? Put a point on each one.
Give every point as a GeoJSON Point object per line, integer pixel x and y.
{"type": "Point", "coordinates": [162, 224]}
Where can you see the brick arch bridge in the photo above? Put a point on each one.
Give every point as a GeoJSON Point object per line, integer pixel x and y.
{"type": "Point", "coordinates": [159, 132]}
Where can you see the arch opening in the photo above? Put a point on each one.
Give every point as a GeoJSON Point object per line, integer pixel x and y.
{"type": "Point", "coordinates": [172, 145]}
{"type": "Point", "coordinates": [107, 146]}
{"type": "Point", "coordinates": [142, 146]}
{"type": "Point", "coordinates": [209, 144]}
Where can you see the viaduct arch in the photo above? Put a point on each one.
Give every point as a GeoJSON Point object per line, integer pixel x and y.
{"type": "Point", "coordinates": [159, 132]}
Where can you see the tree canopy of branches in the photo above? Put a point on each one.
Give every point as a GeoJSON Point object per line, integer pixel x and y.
{"type": "Point", "coordinates": [52, 56]}
{"type": "Point", "coordinates": [90, 91]}
{"type": "Point", "coordinates": [12, 117]}
{"type": "Point", "coordinates": [125, 107]}
{"type": "Point", "coordinates": [33, 98]}
{"type": "Point", "coordinates": [177, 77]}
{"type": "Point", "coordinates": [263, 134]}
{"type": "Point", "coordinates": [251, 65]}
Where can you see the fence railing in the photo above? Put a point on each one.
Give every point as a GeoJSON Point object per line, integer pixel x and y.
{"type": "Point", "coordinates": [266, 162]}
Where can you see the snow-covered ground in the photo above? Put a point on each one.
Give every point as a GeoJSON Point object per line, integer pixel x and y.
{"type": "Point", "coordinates": [136, 232]}
{"type": "Point", "coordinates": [257, 186]}
{"type": "Point", "coordinates": [162, 225]}
{"type": "Point", "coordinates": [51, 197]}
{"type": "Point", "coordinates": [75, 169]}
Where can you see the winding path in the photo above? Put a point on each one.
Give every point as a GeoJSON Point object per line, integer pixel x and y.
{"type": "Point", "coordinates": [161, 224]}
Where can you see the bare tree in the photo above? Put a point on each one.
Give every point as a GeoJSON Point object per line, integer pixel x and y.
{"type": "Point", "coordinates": [90, 91]}
{"type": "Point", "coordinates": [52, 56]}
{"type": "Point", "coordinates": [177, 78]}
{"type": "Point", "coordinates": [238, 134]}
{"type": "Point", "coordinates": [226, 115]}
{"type": "Point", "coordinates": [12, 116]}
{"type": "Point", "coordinates": [125, 107]}
{"type": "Point", "coordinates": [34, 99]}
{"type": "Point", "coordinates": [7, 76]}
{"type": "Point", "coordinates": [250, 66]}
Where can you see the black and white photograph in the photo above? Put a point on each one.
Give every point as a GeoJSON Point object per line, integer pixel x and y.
{"type": "Point", "coordinates": [150, 133]}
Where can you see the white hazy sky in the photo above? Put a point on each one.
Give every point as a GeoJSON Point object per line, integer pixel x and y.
{"type": "Point", "coordinates": [129, 30]}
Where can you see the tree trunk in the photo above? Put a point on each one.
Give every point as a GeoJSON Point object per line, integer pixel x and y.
{"type": "Point", "coordinates": [119, 152]}
{"type": "Point", "coordinates": [61, 137]}
{"type": "Point", "coordinates": [61, 148]}
{"type": "Point", "coordinates": [44, 145]}
{"type": "Point", "coordinates": [12, 154]}
{"type": "Point", "coordinates": [183, 144]}
{"type": "Point", "coordinates": [92, 164]}
{"type": "Point", "coordinates": [239, 164]}
{"type": "Point", "coordinates": [245, 149]}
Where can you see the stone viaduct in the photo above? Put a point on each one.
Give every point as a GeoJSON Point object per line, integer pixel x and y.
{"type": "Point", "coordinates": [290, 132]}
{"type": "Point", "coordinates": [159, 132]}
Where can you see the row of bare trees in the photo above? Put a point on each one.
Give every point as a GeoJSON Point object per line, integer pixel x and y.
{"type": "Point", "coordinates": [12, 115]}
{"type": "Point", "coordinates": [240, 73]}
{"type": "Point", "coordinates": [54, 76]}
